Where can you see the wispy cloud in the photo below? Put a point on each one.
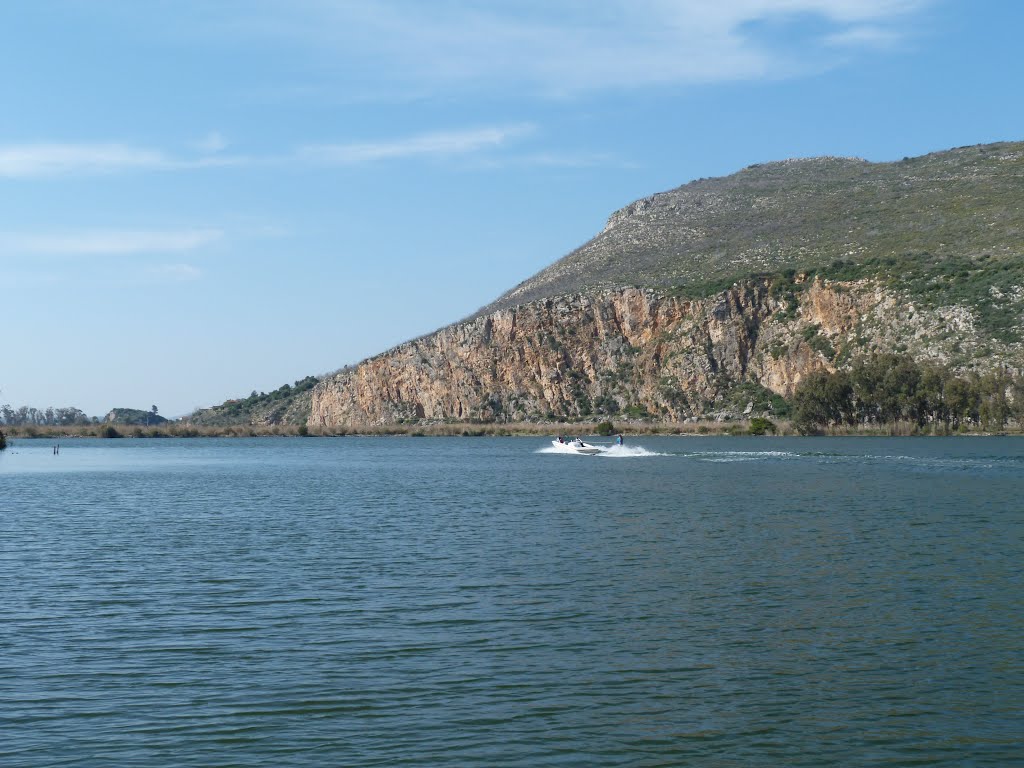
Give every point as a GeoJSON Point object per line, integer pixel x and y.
{"type": "Point", "coordinates": [573, 46]}
{"type": "Point", "coordinates": [40, 160]}
{"type": "Point", "coordinates": [864, 36]}
{"type": "Point", "coordinates": [442, 144]}
{"type": "Point", "coordinates": [116, 242]}
{"type": "Point", "coordinates": [28, 160]}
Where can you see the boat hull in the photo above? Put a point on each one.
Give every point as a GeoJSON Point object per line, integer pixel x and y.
{"type": "Point", "coordinates": [581, 449]}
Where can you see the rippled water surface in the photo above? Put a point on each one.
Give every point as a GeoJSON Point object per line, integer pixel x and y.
{"type": "Point", "coordinates": [485, 602]}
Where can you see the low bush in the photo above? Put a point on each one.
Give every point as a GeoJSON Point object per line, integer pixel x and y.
{"type": "Point", "coordinates": [761, 426]}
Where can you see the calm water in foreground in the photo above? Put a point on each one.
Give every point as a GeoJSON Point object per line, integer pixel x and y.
{"type": "Point", "coordinates": [479, 602]}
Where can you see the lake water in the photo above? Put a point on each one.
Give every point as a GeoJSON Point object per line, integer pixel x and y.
{"type": "Point", "coordinates": [481, 602]}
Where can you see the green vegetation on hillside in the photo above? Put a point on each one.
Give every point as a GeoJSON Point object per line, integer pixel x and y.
{"type": "Point", "coordinates": [258, 400]}
{"type": "Point", "coordinates": [991, 287]}
{"type": "Point", "coordinates": [288, 404]}
{"type": "Point", "coordinates": [759, 398]}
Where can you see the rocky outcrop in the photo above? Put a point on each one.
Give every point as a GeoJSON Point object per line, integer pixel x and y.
{"type": "Point", "coordinates": [632, 351]}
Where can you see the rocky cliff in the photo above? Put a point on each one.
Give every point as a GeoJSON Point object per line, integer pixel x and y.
{"type": "Point", "coordinates": [638, 352]}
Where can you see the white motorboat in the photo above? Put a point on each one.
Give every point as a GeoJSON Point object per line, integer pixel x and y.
{"type": "Point", "coordinates": [576, 446]}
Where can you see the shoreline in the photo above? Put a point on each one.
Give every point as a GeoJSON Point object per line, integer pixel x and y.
{"type": "Point", "coordinates": [736, 428]}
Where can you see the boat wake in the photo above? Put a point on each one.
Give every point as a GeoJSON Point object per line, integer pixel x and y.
{"type": "Point", "coordinates": [731, 456]}
{"type": "Point", "coordinates": [628, 452]}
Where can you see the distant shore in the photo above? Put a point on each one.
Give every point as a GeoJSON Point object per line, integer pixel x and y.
{"type": "Point", "coordinates": [734, 427]}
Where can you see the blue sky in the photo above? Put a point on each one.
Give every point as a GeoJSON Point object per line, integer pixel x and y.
{"type": "Point", "coordinates": [201, 199]}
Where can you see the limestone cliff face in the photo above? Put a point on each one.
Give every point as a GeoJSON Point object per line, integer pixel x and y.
{"type": "Point", "coordinates": [589, 355]}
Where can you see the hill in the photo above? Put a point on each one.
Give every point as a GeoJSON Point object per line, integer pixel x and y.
{"type": "Point", "coordinates": [720, 298]}
{"type": "Point", "coordinates": [134, 417]}
{"type": "Point", "coordinates": [288, 404]}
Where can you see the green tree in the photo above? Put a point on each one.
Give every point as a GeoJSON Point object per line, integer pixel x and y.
{"type": "Point", "coordinates": [823, 399]}
{"type": "Point", "coordinates": [961, 401]}
{"type": "Point", "coordinates": [994, 407]}
{"type": "Point", "coordinates": [761, 426]}
{"type": "Point", "coordinates": [1017, 402]}
{"type": "Point", "coordinates": [885, 389]}
{"type": "Point", "coordinates": [899, 391]}
{"type": "Point", "coordinates": [931, 392]}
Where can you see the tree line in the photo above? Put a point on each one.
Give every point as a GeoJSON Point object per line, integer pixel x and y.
{"type": "Point", "coordinates": [890, 388]}
{"type": "Point", "coordinates": [26, 416]}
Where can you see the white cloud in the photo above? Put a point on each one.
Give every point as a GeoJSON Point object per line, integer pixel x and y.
{"type": "Point", "coordinates": [25, 161]}
{"type": "Point", "coordinates": [67, 159]}
{"type": "Point", "coordinates": [108, 242]}
{"type": "Point", "coordinates": [28, 160]}
{"type": "Point", "coordinates": [575, 46]}
{"type": "Point", "coordinates": [441, 144]}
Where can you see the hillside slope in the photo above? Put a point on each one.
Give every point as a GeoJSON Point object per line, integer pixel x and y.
{"type": "Point", "coordinates": [289, 404]}
{"type": "Point", "coordinates": [723, 294]}
{"type": "Point", "coordinates": [801, 214]}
